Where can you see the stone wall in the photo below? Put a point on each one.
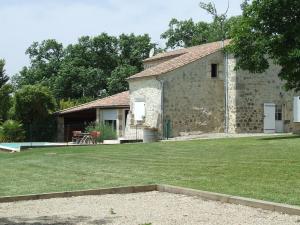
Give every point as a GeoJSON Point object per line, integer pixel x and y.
{"type": "Point", "coordinates": [193, 101]}
{"type": "Point", "coordinates": [147, 90]}
{"type": "Point", "coordinates": [247, 94]}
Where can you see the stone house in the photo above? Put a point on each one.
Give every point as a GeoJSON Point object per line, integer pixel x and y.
{"type": "Point", "coordinates": [186, 90]}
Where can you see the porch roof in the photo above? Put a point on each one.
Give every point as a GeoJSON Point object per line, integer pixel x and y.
{"type": "Point", "coordinates": [120, 100]}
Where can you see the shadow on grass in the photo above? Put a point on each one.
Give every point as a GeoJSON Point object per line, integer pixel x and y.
{"type": "Point", "coordinates": [53, 220]}
{"type": "Point", "coordinates": [279, 138]}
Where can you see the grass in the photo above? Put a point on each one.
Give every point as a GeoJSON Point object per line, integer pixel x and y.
{"type": "Point", "coordinates": [262, 168]}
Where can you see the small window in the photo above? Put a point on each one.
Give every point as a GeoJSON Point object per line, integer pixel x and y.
{"type": "Point", "coordinates": [214, 70]}
{"type": "Point", "coordinates": [278, 112]}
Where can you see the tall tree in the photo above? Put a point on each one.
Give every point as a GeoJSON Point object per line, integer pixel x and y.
{"type": "Point", "coordinates": [117, 81]}
{"type": "Point", "coordinates": [269, 29]}
{"type": "Point", "coordinates": [45, 60]}
{"type": "Point", "coordinates": [133, 49]}
{"type": "Point", "coordinates": [83, 69]}
{"type": "Point", "coordinates": [188, 33]}
{"type": "Point", "coordinates": [3, 77]}
{"type": "Point", "coordinates": [33, 105]}
{"type": "Point", "coordinates": [5, 93]}
{"type": "Point", "coordinates": [5, 101]}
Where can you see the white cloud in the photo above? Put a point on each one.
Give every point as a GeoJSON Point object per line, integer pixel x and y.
{"type": "Point", "coordinates": [23, 22]}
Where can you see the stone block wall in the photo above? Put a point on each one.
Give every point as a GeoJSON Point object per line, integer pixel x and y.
{"type": "Point", "coordinates": [193, 100]}
{"type": "Point", "coordinates": [247, 94]}
{"type": "Point", "coordinates": [147, 90]}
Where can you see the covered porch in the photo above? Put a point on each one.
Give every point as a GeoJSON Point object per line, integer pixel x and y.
{"type": "Point", "coordinates": [112, 110]}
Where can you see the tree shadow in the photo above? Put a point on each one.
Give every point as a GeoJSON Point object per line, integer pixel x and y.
{"type": "Point", "coordinates": [54, 220]}
{"type": "Point", "coordinates": [279, 138]}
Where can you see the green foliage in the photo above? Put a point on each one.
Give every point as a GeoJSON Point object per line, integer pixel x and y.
{"type": "Point", "coordinates": [76, 82]}
{"type": "Point", "coordinates": [106, 131]}
{"type": "Point", "coordinates": [269, 29]}
{"type": "Point", "coordinates": [45, 61]}
{"type": "Point", "coordinates": [11, 131]}
{"type": "Point", "coordinates": [133, 49]}
{"type": "Point", "coordinates": [117, 81]}
{"type": "Point", "coordinates": [33, 105]}
{"type": "Point", "coordinates": [84, 68]}
{"type": "Point", "coordinates": [33, 102]}
{"type": "Point", "coordinates": [67, 103]}
{"type": "Point", "coordinates": [3, 77]}
{"type": "Point", "coordinates": [5, 101]}
{"type": "Point", "coordinates": [188, 33]}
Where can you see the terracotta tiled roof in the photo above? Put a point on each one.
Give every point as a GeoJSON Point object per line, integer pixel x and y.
{"type": "Point", "coordinates": [114, 101]}
{"type": "Point", "coordinates": [179, 58]}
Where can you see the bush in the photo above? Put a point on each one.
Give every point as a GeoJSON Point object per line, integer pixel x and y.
{"type": "Point", "coordinates": [106, 131]}
{"type": "Point", "coordinates": [11, 131]}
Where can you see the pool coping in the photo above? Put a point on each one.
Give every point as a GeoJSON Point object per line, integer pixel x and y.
{"type": "Point", "coordinates": [224, 198]}
{"type": "Point", "coordinates": [28, 147]}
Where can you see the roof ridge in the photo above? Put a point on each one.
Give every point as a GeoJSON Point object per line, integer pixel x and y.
{"type": "Point", "coordinates": [178, 52]}
{"type": "Point", "coordinates": [190, 56]}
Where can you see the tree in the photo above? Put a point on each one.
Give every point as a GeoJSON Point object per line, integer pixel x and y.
{"type": "Point", "coordinates": [5, 93]}
{"type": "Point", "coordinates": [117, 82]}
{"type": "Point", "coordinates": [3, 77]}
{"type": "Point", "coordinates": [33, 102]}
{"type": "Point", "coordinates": [33, 105]}
{"type": "Point", "coordinates": [77, 81]}
{"type": "Point", "coordinates": [269, 30]}
{"type": "Point", "coordinates": [133, 49]}
{"type": "Point", "coordinates": [45, 60]}
{"type": "Point", "coordinates": [82, 70]}
{"type": "Point", "coordinates": [188, 33]}
{"type": "Point", "coordinates": [5, 101]}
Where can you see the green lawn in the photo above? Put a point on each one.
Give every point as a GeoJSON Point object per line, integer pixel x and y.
{"type": "Point", "coordinates": [262, 168]}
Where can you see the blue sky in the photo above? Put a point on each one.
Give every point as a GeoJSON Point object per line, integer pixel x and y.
{"type": "Point", "coordinates": [25, 21]}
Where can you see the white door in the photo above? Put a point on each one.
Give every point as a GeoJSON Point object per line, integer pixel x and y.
{"type": "Point", "coordinates": [269, 118]}
{"type": "Point", "coordinates": [279, 119]}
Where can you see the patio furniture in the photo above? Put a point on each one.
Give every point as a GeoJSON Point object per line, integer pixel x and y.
{"type": "Point", "coordinates": [76, 136]}
{"type": "Point", "coordinates": [86, 139]}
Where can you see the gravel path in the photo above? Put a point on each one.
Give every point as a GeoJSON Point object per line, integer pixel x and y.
{"type": "Point", "coordinates": [137, 209]}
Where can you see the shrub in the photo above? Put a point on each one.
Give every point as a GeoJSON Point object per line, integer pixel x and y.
{"type": "Point", "coordinates": [106, 131]}
{"type": "Point", "coordinates": [11, 131]}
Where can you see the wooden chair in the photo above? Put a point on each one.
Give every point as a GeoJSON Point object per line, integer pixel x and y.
{"type": "Point", "coordinates": [76, 136]}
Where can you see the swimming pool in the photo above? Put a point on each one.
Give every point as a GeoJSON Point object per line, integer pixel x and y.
{"type": "Point", "coordinates": [18, 146]}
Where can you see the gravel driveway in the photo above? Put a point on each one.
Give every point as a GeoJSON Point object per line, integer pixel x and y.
{"type": "Point", "coordinates": [137, 209]}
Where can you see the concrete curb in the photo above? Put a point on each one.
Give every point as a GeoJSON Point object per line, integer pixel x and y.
{"type": "Point", "coordinates": [272, 206]}
{"type": "Point", "coordinates": [116, 190]}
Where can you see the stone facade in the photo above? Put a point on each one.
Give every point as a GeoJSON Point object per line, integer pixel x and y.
{"type": "Point", "coordinates": [147, 90]}
{"type": "Point", "coordinates": [247, 94]}
{"type": "Point", "coordinates": [193, 101]}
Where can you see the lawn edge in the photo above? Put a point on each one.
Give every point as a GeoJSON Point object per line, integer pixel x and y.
{"type": "Point", "coordinates": [101, 191]}
{"type": "Point", "coordinates": [237, 200]}
{"type": "Point", "coordinates": [213, 196]}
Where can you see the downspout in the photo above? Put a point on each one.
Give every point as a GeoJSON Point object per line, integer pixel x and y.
{"type": "Point", "coordinates": [225, 87]}
{"type": "Point", "coordinates": [162, 105]}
